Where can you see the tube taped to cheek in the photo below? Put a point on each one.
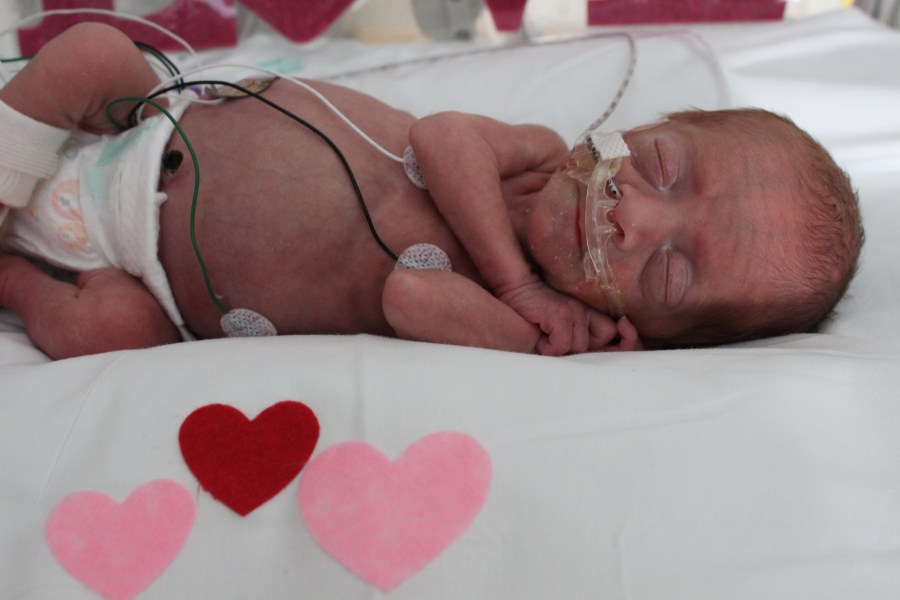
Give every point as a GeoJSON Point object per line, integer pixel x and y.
{"type": "Point", "coordinates": [609, 146]}
{"type": "Point", "coordinates": [597, 158]}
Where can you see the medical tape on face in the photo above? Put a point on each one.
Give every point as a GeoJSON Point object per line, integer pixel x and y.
{"type": "Point", "coordinates": [595, 160]}
{"type": "Point", "coordinates": [609, 146]}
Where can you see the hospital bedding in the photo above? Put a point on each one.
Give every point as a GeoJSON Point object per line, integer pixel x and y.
{"type": "Point", "coordinates": [378, 468]}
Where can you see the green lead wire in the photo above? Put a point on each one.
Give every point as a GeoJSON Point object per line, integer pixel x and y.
{"type": "Point", "coordinates": [196, 193]}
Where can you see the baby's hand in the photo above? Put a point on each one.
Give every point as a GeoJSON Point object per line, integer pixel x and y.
{"type": "Point", "coordinates": [629, 339]}
{"type": "Point", "coordinates": [569, 326]}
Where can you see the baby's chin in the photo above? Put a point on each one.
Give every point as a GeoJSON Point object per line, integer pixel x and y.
{"type": "Point", "coordinates": [591, 293]}
{"type": "Point", "coordinates": [555, 241]}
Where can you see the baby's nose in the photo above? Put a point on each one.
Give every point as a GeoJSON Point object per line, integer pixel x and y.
{"type": "Point", "coordinates": [644, 220]}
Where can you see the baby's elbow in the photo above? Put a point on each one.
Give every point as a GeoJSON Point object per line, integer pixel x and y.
{"type": "Point", "coordinates": [435, 131]}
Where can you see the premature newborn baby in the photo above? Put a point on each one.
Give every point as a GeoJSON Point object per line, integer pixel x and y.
{"type": "Point", "coordinates": [707, 227]}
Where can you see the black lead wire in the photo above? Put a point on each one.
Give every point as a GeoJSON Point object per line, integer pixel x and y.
{"type": "Point", "coordinates": [132, 119]}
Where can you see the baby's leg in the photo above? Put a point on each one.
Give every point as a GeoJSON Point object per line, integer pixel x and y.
{"type": "Point", "coordinates": [104, 310]}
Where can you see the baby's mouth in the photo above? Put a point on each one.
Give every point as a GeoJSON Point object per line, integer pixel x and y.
{"type": "Point", "coordinates": [580, 199]}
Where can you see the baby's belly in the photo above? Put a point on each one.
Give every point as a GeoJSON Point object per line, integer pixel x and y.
{"type": "Point", "coordinates": [279, 225]}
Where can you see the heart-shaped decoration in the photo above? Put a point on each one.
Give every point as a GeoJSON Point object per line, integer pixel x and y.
{"type": "Point", "coordinates": [244, 463]}
{"type": "Point", "coordinates": [300, 20]}
{"type": "Point", "coordinates": [384, 520]}
{"type": "Point", "coordinates": [507, 14]}
{"type": "Point", "coordinates": [117, 550]}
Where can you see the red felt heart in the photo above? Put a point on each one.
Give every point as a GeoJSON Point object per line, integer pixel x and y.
{"type": "Point", "coordinates": [298, 20]}
{"type": "Point", "coordinates": [244, 463]}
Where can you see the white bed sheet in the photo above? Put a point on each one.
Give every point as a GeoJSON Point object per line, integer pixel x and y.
{"type": "Point", "coordinates": [767, 470]}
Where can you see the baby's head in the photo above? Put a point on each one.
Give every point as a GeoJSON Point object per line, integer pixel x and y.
{"type": "Point", "coordinates": [731, 225]}
{"type": "Point", "coordinates": [814, 241]}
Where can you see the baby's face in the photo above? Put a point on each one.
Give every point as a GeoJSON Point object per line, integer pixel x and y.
{"type": "Point", "coordinates": [703, 217]}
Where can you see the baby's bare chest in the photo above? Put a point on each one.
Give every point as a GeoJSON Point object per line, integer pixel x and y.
{"type": "Point", "coordinates": [304, 201]}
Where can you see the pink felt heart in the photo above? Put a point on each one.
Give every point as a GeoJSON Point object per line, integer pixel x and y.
{"type": "Point", "coordinates": [384, 520]}
{"type": "Point", "coordinates": [244, 463]}
{"type": "Point", "coordinates": [117, 550]}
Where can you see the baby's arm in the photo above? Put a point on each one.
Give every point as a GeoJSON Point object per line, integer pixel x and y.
{"type": "Point", "coordinates": [76, 75]}
{"type": "Point", "coordinates": [464, 159]}
{"type": "Point", "coordinates": [448, 308]}
{"type": "Point", "coordinates": [69, 83]}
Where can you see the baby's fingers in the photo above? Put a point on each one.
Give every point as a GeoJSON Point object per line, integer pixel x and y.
{"type": "Point", "coordinates": [602, 330]}
{"type": "Point", "coordinates": [568, 330]}
{"type": "Point", "coordinates": [629, 339]}
{"type": "Point", "coordinates": [556, 342]}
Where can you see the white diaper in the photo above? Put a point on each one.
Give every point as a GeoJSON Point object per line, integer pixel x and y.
{"type": "Point", "coordinates": [101, 208]}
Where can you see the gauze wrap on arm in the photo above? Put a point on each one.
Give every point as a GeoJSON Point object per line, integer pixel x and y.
{"type": "Point", "coordinates": [28, 153]}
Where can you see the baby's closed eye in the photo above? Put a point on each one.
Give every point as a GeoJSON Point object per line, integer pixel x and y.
{"type": "Point", "coordinates": [667, 277]}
